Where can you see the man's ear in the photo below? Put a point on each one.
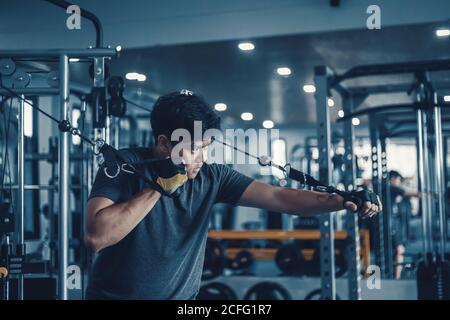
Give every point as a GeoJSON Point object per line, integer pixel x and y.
{"type": "Point", "coordinates": [164, 144]}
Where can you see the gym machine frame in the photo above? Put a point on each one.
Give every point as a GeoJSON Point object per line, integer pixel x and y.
{"type": "Point", "coordinates": [98, 55]}
{"type": "Point", "coordinates": [325, 80]}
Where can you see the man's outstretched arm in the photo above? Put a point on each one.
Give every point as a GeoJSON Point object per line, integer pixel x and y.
{"type": "Point", "coordinates": [299, 202]}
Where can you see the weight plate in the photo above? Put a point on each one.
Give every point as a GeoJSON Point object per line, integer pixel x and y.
{"type": "Point", "coordinates": [7, 67]}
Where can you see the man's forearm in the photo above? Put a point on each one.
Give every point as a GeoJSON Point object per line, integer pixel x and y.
{"type": "Point", "coordinates": [113, 223]}
{"type": "Point", "coordinates": [307, 203]}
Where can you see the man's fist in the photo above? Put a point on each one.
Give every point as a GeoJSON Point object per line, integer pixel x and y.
{"type": "Point", "coordinates": [167, 177]}
{"type": "Point", "coordinates": [365, 202]}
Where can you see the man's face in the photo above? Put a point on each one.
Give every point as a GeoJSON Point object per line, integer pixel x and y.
{"type": "Point", "coordinates": [193, 155]}
{"type": "Point", "coordinates": [396, 181]}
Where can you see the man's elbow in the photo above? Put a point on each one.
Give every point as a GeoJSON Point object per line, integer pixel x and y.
{"type": "Point", "coordinates": [94, 242]}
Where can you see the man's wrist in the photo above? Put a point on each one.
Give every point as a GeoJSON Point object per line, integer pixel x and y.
{"type": "Point", "coordinates": [338, 202]}
{"type": "Point", "coordinates": [151, 192]}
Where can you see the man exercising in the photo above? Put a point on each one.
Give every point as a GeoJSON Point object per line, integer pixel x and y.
{"type": "Point", "coordinates": [398, 228]}
{"type": "Point", "coordinates": [150, 233]}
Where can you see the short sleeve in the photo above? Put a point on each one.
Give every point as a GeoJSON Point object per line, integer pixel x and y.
{"type": "Point", "coordinates": [232, 185]}
{"type": "Point", "coordinates": [116, 189]}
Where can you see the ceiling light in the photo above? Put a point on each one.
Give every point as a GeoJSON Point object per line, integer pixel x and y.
{"type": "Point", "coordinates": [355, 121]}
{"type": "Point", "coordinates": [136, 76]}
{"type": "Point", "coordinates": [246, 46]}
{"type": "Point", "coordinates": [447, 98]}
{"type": "Point", "coordinates": [341, 113]}
{"type": "Point", "coordinates": [309, 88]}
{"type": "Point", "coordinates": [268, 124]}
{"type": "Point", "coordinates": [220, 106]}
{"type": "Point", "coordinates": [246, 116]}
{"type": "Point", "coordinates": [74, 59]}
{"type": "Point", "coordinates": [443, 32]}
{"type": "Point", "coordinates": [141, 77]}
{"type": "Point", "coordinates": [131, 75]}
{"type": "Point", "coordinates": [284, 71]}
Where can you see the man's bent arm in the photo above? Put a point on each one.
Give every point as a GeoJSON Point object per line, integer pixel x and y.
{"type": "Point", "coordinates": [108, 222]}
{"type": "Point", "coordinates": [298, 202]}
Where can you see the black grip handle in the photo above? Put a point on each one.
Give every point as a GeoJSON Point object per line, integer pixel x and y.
{"type": "Point", "coordinates": [297, 175]}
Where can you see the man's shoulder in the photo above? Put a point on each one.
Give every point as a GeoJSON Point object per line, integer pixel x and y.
{"type": "Point", "coordinates": [216, 170]}
{"type": "Point", "coordinates": [215, 167]}
{"type": "Point", "coordinates": [135, 154]}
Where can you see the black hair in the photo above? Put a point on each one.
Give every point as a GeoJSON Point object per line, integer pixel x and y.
{"type": "Point", "coordinates": [179, 110]}
{"type": "Point", "coordinates": [395, 174]}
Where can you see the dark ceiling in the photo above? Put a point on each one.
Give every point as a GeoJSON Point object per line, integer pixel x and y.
{"type": "Point", "coordinates": [247, 81]}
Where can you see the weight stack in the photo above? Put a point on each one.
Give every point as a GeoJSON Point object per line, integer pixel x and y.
{"type": "Point", "coordinates": [433, 278]}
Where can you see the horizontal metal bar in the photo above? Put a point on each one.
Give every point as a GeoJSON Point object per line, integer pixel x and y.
{"type": "Point", "coordinates": [376, 109]}
{"type": "Point", "coordinates": [38, 187]}
{"type": "Point", "coordinates": [31, 91]}
{"type": "Point", "coordinates": [50, 157]}
{"type": "Point", "coordinates": [389, 88]}
{"type": "Point", "coordinates": [392, 68]}
{"type": "Point", "coordinates": [72, 53]}
{"type": "Point", "coordinates": [384, 108]}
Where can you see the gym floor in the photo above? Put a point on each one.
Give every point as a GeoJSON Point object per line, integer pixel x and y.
{"type": "Point", "coordinates": [238, 150]}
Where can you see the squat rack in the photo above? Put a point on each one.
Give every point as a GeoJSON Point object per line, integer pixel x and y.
{"type": "Point", "coordinates": [352, 97]}
{"type": "Point", "coordinates": [98, 55]}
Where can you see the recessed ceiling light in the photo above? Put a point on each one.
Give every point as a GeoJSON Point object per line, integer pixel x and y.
{"type": "Point", "coordinates": [246, 46]}
{"type": "Point", "coordinates": [341, 113]}
{"type": "Point", "coordinates": [246, 116]}
{"type": "Point", "coordinates": [284, 71]}
{"type": "Point", "coordinates": [136, 76]}
{"type": "Point", "coordinates": [443, 32]}
{"type": "Point", "coordinates": [330, 102]}
{"type": "Point", "coordinates": [355, 121]}
{"type": "Point", "coordinates": [119, 48]}
{"type": "Point", "coordinates": [447, 98]}
{"type": "Point", "coordinates": [141, 77]}
{"type": "Point", "coordinates": [74, 59]}
{"type": "Point", "coordinates": [309, 88]}
{"type": "Point", "coordinates": [220, 106]}
{"type": "Point", "coordinates": [268, 124]}
{"type": "Point", "coordinates": [131, 75]}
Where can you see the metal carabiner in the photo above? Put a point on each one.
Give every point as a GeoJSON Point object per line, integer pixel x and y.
{"type": "Point", "coordinates": [98, 144]}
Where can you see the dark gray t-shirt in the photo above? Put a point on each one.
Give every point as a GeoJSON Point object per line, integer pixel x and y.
{"type": "Point", "coordinates": [162, 257]}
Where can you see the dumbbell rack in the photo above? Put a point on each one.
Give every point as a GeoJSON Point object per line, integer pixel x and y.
{"type": "Point", "coordinates": [268, 254]}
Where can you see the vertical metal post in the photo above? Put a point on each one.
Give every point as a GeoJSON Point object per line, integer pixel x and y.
{"type": "Point", "coordinates": [108, 129]}
{"type": "Point", "coordinates": [439, 177]}
{"type": "Point", "coordinates": [21, 191]}
{"type": "Point", "coordinates": [429, 176]}
{"type": "Point", "coordinates": [116, 133]}
{"type": "Point", "coordinates": [99, 82]}
{"type": "Point", "coordinates": [327, 272]}
{"type": "Point", "coordinates": [63, 181]}
{"type": "Point", "coordinates": [378, 236]}
{"type": "Point", "coordinates": [422, 182]}
{"type": "Point", "coordinates": [354, 277]}
{"type": "Point", "coordinates": [387, 212]}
